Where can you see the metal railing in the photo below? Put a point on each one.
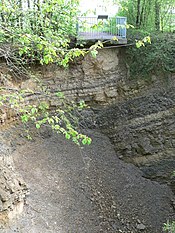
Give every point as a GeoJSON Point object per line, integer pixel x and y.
{"type": "Point", "coordinates": [93, 26]}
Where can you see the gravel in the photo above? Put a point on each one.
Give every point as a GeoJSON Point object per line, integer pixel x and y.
{"type": "Point", "coordinates": [89, 190]}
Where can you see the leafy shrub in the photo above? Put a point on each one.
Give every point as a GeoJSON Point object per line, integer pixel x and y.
{"type": "Point", "coordinates": [155, 58]}
{"type": "Point", "coordinates": [169, 227]}
{"type": "Point", "coordinates": [39, 31]}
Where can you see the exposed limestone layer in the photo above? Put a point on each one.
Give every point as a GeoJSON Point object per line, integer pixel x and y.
{"type": "Point", "coordinates": [94, 80]}
{"type": "Point", "coordinates": [138, 115]}
{"type": "Point", "coordinates": [97, 80]}
{"type": "Point", "coordinates": [12, 187]}
{"type": "Point", "coordinates": [142, 130]}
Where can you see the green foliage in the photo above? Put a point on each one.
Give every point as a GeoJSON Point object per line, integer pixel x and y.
{"type": "Point", "coordinates": [142, 42]}
{"type": "Point", "coordinates": [111, 26]}
{"type": "Point", "coordinates": [149, 15]}
{"type": "Point", "coordinates": [40, 30]}
{"type": "Point", "coordinates": [169, 227]}
{"type": "Point", "coordinates": [155, 58]}
{"type": "Point", "coordinates": [61, 119]}
{"type": "Point", "coordinates": [173, 174]}
{"type": "Point", "coordinates": [94, 48]}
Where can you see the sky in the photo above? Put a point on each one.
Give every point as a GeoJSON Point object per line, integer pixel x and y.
{"type": "Point", "coordinates": [101, 8]}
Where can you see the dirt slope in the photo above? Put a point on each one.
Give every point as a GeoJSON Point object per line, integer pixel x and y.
{"type": "Point", "coordinates": [86, 191]}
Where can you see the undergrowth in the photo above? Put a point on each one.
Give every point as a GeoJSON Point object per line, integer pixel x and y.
{"type": "Point", "coordinates": [155, 58]}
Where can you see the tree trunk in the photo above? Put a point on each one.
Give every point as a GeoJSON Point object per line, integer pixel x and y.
{"type": "Point", "coordinates": [138, 14]}
{"type": "Point", "coordinates": [142, 13]}
{"type": "Point", "coordinates": [2, 14]}
{"type": "Point", "coordinates": [157, 15]}
{"type": "Point", "coordinates": [21, 14]}
{"type": "Point", "coordinates": [28, 4]}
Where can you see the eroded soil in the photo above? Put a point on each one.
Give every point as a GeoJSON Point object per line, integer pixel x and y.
{"type": "Point", "coordinates": [88, 190]}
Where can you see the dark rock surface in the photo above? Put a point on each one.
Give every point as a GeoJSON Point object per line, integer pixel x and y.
{"type": "Point", "coordinates": [140, 122]}
{"type": "Point", "coordinates": [88, 190]}
{"type": "Point", "coordinates": [12, 187]}
{"type": "Point", "coordinates": [142, 130]}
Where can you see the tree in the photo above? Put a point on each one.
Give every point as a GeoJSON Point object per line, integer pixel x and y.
{"type": "Point", "coordinates": [157, 15]}
{"type": "Point", "coordinates": [138, 13]}
{"type": "Point", "coordinates": [41, 34]}
{"type": "Point", "coordinates": [40, 30]}
{"type": "Point", "coordinates": [147, 14]}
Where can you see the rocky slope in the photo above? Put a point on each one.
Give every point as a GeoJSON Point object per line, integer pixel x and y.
{"type": "Point", "coordinates": [138, 117]}
{"type": "Point", "coordinates": [142, 130]}
{"type": "Point", "coordinates": [13, 189]}
{"type": "Point", "coordinates": [86, 190]}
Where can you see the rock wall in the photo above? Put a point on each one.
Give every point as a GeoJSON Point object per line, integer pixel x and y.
{"type": "Point", "coordinates": [142, 130]}
{"type": "Point", "coordinates": [94, 80]}
{"type": "Point", "coordinates": [138, 115]}
{"type": "Point", "coordinates": [97, 81]}
{"type": "Point", "coordinates": [13, 189]}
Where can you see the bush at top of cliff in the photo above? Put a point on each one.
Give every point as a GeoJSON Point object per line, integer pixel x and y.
{"type": "Point", "coordinates": [38, 31]}
{"type": "Point", "coordinates": [155, 58]}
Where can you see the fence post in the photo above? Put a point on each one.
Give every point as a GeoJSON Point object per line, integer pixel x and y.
{"type": "Point", "coordinates": [121, 23]}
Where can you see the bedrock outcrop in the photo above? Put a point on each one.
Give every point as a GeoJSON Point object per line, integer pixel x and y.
{"type": "Point", "coordinates": [93, 80]}
{"type": "Point", "coordinates": [142, 130]}
{"type": "Point", "coordinates": [138, 115]}
{"type": "Point", "coordinates": [13, 189]}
